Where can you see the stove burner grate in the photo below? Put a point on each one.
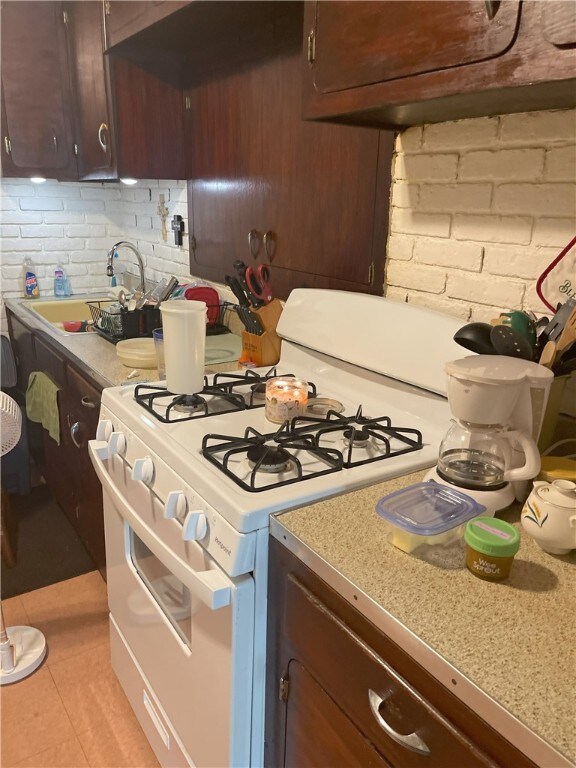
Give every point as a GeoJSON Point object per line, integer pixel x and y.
{"type": "Point", "coordinates": [263, 457]}
{"type": "Point", "coordinates": [357, 431]}
{"type": "Point", "coordinates": [151, 397]}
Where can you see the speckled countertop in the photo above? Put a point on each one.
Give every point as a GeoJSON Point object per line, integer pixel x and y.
{"type": "Point", "coordinates": [508, 649]}
{"type": "Point", "coordinates": [94, 354]}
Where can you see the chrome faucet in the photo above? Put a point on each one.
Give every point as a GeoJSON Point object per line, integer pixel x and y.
{"type": "Point", "coordinates": [110, 267]}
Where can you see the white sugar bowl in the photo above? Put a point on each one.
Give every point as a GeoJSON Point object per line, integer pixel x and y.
{"type": "Point", "coordinates": [549, 516]}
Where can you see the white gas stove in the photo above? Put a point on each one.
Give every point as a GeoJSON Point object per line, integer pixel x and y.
{"type": "Point", "coordinates": [191, 481]}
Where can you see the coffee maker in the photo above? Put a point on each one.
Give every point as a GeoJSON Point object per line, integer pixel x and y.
{"type": "Point", "coordinates": [490, 450]}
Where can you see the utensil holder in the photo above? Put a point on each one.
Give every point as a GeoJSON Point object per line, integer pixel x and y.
{"type": "Point", "coordinates": [264, 349]}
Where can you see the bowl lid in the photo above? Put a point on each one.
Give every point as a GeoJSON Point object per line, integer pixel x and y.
{"type": "Point", "coordinates": [428, 508]}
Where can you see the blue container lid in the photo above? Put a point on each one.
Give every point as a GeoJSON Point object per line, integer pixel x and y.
{"type": "Point", "coordinates": [428, 508]}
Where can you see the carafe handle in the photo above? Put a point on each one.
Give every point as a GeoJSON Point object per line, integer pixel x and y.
{"type": "Point", "coordinates": [531, 466]}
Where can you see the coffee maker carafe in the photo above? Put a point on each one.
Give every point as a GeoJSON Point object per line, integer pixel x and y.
{"type": "Point", "coordinates": [490, 449]}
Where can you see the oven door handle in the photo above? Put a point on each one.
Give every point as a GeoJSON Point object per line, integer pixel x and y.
{"type": "Point", "coordinates": [211, 586]}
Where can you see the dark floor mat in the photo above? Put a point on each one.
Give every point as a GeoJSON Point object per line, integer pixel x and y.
{"type": "Point", "coordinates": [48, 549]}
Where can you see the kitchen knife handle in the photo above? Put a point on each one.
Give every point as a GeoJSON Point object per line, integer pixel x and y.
{"type": "Point", "coordinates": [234, 285]}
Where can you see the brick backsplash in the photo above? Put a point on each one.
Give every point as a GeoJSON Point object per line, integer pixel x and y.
{"type": "Point", "coordinates": [479, 208]}
{"type": "Point", "coordinates": [77, 223]}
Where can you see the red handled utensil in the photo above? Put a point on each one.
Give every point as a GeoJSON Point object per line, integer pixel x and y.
{"type": "Point", "coordinates": [258, 283]}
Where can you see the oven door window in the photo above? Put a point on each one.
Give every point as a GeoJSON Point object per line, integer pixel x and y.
{"type": "Point", "coordinates": [171, 596]}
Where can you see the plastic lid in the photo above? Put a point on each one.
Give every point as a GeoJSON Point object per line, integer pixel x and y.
{"type": "Point", "coordinates": [428, 508]}
{"type": "Point", "coordinates": [491, 536]}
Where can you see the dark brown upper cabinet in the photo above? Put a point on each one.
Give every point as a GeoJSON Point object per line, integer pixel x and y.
{"type": "Point", "coordinates": [314, 195]}
{"type": "Point", "coordinates": [394, 63]}
{"type": "Point", "coordinates": [126, 18]}
{"type": "Point", "coordinates": [37, 127]}
{"type": "Point", "coordinates": [70, 112]}
{"type": "Point", "coordinates": [128, 123]}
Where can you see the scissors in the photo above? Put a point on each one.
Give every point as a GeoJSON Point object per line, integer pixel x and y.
{"type": "Point", "coordinates": [259, 283]}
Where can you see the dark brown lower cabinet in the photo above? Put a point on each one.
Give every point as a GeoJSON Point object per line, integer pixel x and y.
{"type": "Point", "coordinates": [66, 466]}
{"type": "Point", "coordinates": [341, 693]}
{"type": "Point", "coordinates": [316, 726]}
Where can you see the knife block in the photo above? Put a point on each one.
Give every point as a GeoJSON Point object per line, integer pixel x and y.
{"type": "Point", "coordinates": [264, 349]}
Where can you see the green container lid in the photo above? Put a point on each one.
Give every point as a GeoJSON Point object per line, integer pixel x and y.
{"type": "Point", "coordinates": [491, 536]}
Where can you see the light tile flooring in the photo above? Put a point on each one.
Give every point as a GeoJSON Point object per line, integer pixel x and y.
{"type": "Point", "coordinates": [71, 712]}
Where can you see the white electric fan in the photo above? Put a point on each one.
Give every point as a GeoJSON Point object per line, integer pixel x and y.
{"type": "Point", "coordinates": [22, 649]}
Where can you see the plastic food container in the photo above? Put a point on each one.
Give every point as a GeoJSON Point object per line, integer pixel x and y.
{"type": "Point", "coordinates": [426, 514]}
{"type": "Point", "coordinates": [137, 353]}
{"type": "Point", "coordinates": [490, 548]}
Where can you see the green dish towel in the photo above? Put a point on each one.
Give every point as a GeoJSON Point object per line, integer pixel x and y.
{"type": "Point", "coordinates": [42, 403]}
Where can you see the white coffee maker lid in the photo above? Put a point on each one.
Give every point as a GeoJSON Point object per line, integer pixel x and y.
{"type": "Point", "coordinates": [497, 369]}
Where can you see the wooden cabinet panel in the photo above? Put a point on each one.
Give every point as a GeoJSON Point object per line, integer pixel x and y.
{"type": "Point", "coordinates": [84, 413]}
{"type": "Point", "coordinates": [22, 343]}
{"type": "Point", "coordinates": [311, 625]}
{"type": "Point", "coordinates": [320, 189]}
{"type": "Point", "coordinates": [317, 728]}
{"type": "Point", "coordinates": [38, 135]}
{"type": "Point", "coordinates": [358, 44]}
{"type": "Point", "coordinates": [149, 124]}
{"type": "Point", "coordinates": [129, 17]}
{"type": "Point", "coordinates": [391, 63]}
{"type": "Point", "coordinates": [66, 466]}
{"type": "Point", "coordinates": [92, 96]}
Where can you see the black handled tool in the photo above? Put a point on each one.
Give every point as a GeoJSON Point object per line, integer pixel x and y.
{"type": "Point", "coordinates": [240, 268]}
{"type": "Point", "coordinates": [236, 288]}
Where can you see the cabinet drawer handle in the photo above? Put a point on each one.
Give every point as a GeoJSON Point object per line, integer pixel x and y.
{"type": "Point", "coordinates": [87, 403]}
{"type": "Point", "coordinates": [102, 131]}
{"type": "Point", "coordinates": [74, 431]}
{"type": "Point", "coordinates": [410, 741]}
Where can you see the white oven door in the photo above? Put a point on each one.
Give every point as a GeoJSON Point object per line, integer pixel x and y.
{"type": "Point", "coordinates": [187, 624]}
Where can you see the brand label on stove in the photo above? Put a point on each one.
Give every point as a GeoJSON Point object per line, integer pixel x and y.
{"type": "Point", "coordinates": [222, 546]}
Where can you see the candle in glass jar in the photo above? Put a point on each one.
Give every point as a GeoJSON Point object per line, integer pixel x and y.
{"type": "Point", "coordinates": [286, 398]}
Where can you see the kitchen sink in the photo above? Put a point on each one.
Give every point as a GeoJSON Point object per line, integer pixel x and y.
{"type": "Point", "coordinates": [55, 312]}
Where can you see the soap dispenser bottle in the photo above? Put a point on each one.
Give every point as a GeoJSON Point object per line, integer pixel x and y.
{"type": "Point", "coordinates": [30, 287]}
{"type": "Point", "coordinates": [61, 285]}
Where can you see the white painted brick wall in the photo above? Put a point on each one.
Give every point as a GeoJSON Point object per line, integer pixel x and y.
{"type": "Point", "coordinates": [484, 205]}
{"type": "Point", "coordinates": [77, 223]}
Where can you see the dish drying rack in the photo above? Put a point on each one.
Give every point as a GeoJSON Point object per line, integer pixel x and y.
{"type": "Point", "coordinates": [139, 323]}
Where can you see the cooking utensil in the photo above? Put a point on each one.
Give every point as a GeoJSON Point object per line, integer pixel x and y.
{"type": "Point", "coordinates": [548, 356]}
{"type": "Point", "coordinates": [556, 325]}
{"type": "Point", "coordinates": [241, 268]}
{"type": "Point", "coordinates": [234, 285]}
{"type": "Point", "coordinates": [476, 338]}
{"type": "Point", "coordinates": [250, 320]}
{"type": "Point", "coordinates": [521, 323]}
{"type": "Point", "coordinates": [507, 341]}
{"type": "Point", "coordinates": [568, 335]}
{"type": "Point", "coordinates": [259, 283]}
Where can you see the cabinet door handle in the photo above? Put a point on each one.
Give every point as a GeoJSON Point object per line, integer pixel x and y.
{"type": "Point", "coordinates": [411, 740]}
{"type": "Point", "coordinates": [491, 7]}
{"type": "Point", "coordinates": [55, 142]}
{"type": "Point", "coordinates": [74, 431]}
{"type": "Point", "coordinates": [87, 403]}
{"type": "Point", "coordinates": [102, 136]}
{"type": "Point", "coordinates": [270, 245]}
{"type": "Point", "coordinates": [254, 240]}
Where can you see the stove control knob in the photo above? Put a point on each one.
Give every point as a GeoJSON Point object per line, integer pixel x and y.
{"type": "Point", "coordinates": [176, 505]}
{"type": "Point", "coordinates": [116, 443]}
{"type": "Point", "coordinates": [195, 526]}
{"type": "Point", "coordinates": [143, 470]}
{"type": "Point", "coordinates": [104, 430]}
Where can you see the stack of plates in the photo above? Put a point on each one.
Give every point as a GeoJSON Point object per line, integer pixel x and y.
{"type": "Point", "coordinates": [137, 353]}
